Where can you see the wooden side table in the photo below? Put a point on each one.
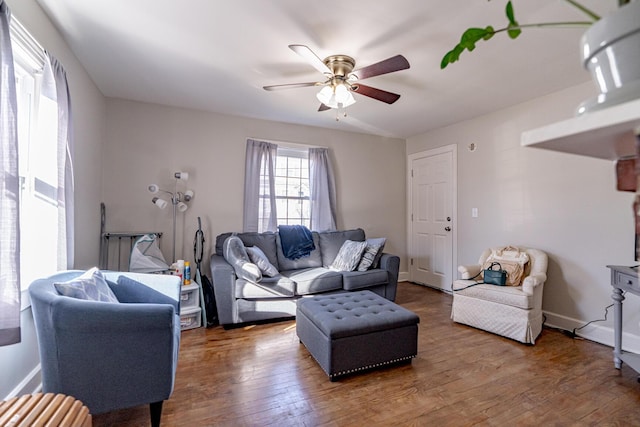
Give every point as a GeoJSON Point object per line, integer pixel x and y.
{"type": "Point", "coordinates": [50, 410]}
{"type": "Point", "coordinates": [623, 279]}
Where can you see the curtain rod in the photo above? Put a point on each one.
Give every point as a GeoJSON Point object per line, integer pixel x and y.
{"type": "Point", "coordinates": [287, 143]}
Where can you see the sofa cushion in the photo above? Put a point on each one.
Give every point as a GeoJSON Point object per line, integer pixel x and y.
{"type": "Point", "coordinates": [507, 295]}
{"type": "Point", "coordinates": [265, 241]}
{"type": "Point", "coordinates": [352, 280]}
{"type": "Point", "coordinates": [269, 287]}
{"type": "Point", "coordinates": [349, 256]}
{"type": "Point", "coordinates": [236, 255]}
{"type": "Point", "coordinates": [372, 254]}
{"type": "Point", "coordinates": [314, 280]}
{"type": "Point", "coordinates": [260, 259]}
{"type": "Point", "coordinates": [330, 243]}
{"type": "Point", "coordinates": [313, 260]}
{"type": "Point", "coordinates": [91, 286]}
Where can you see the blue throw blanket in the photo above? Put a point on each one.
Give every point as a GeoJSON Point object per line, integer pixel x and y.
{"type": "Point", "coordinates": [297, 241]}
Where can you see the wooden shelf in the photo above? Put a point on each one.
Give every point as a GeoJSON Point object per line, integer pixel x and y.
{"type": "Point", "coordinates": [604, 134]}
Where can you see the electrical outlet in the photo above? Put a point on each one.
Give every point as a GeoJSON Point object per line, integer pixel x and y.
{"type": "Point", "coordinates": [474, 212]}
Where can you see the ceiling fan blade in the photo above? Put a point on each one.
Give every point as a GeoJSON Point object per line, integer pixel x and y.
{"type": "Point", "coordinates": [323, 108]}
{"type": "Point", "coordinates": [310, 57]}
{"type": "Point", "coordinates": [289, 86]}
{"type": "Point", "coordinates": [379, 94]}
{"type": "Point", "coordinates": [395, 63]}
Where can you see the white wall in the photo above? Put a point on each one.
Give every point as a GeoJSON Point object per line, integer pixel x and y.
{"type": "Point", "coordinates": [564, 204]}
{"type": "Point", "coordinates": [19, 361]}
{"type": "Point", "coordinates": [146, 143]}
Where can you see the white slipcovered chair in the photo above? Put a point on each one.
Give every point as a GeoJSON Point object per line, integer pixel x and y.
{"type": "Point", "coordinates": [511, 311]}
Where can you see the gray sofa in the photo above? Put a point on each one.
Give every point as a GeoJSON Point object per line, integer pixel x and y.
{"type": "Point", "coordinates": [241, 301]}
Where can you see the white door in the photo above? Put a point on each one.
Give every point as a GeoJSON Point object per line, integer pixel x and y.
{"type": "Point", "coordinates": [432, 228]}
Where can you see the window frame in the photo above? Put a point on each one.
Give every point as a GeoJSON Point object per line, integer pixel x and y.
{"type": "Point", "coordinates": [29, 62]}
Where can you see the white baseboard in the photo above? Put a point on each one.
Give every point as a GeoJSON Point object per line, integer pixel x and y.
{"type": "Point", "coordinates": [32, 383]}
{"type": "Point", "coordinates": [594, 332]}
{"type": "Point", "coordinates": [403, 276]}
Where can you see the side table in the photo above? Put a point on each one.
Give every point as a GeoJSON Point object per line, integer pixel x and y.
{"type": "Point", "coordinates": [623, 279]}
{"type": "Point", "coordinates": [44, 410]}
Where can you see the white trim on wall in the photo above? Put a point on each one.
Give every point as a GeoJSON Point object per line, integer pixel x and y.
{"type": "Point", "coordinates": [32, 383]}
{"type": "Point", "coordinates": [593, 332]}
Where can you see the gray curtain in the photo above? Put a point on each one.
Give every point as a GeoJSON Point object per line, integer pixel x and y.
{"type": "Point", "coordinates": [55, 70]}
{"type": "Point", "coordinates": [9, 191]}
{"type": "Point", "coordinates": [323, 190]}
{"type": "Point", "coordinates": [259, 186]}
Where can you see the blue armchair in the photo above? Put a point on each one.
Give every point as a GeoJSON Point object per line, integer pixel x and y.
{"type": "Point", "coordinates": [110, 355]}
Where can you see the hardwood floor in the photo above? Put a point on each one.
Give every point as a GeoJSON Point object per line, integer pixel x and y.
{"type": "Point", "coordinates": [262, 376]}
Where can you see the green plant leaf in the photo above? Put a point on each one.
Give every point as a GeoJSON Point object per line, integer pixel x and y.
{"type": "Point", "coordinates": [473, 35]}
{"type": "Point", "coordinates": [451, 56]}
{"type": "Point", "coordinates": [490, 32]}
{"type": "Point", "coordinates": [513, 29]}
{"type": "Point", "coordinates": [510, 15]}
{"type": "Point", "coordinates": [467, 41]}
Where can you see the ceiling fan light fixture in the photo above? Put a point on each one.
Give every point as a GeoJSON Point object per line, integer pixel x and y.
{"type": "Point", "coordinates": [338, 96]}
{"type": "Point", "coordinates": [326, 95]}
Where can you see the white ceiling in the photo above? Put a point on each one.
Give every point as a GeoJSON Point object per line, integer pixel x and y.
{"type": "Point", "coordinates": [216, 55]}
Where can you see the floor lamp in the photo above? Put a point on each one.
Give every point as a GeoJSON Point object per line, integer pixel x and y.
{"type": "Point", "coordinates": [178, 199]}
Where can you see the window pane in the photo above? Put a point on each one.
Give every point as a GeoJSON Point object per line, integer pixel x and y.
{"type": "Point", "coordinates": [281, 186]}
{"type": "Point", "coordinates": [294, 167]}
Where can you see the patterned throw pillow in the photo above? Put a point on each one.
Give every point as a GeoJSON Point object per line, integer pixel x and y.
{"type": "Point", "coordinates": [372, 254]}
{"type": "Point", "coordinates": [91, 285]}
{"type": "Point", "coordinates": [349, 256]}
{"type": "Point", "coordinates": [260, 259]}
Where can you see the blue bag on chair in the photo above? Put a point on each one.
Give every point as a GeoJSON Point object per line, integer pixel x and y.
{"type": "Point", "coordinates": [495, 277]}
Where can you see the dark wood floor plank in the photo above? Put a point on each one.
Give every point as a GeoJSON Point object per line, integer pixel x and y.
{"type": "Point", "coordinates": [262, 376]}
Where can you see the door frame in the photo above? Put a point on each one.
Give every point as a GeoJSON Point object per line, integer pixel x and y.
{"type": "Point", "coordinates": [453, 149]}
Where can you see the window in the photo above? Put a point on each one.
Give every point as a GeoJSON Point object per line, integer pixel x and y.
{"type": "Point", "coordinates": [285, 185]}
{"type": "Point", "coordinates": [291, 187]}
{"type": "Point", "coordinates": [38, 170]}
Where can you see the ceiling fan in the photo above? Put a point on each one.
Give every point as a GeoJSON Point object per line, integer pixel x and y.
{"type": "Point", "coordinates": [341, 80]}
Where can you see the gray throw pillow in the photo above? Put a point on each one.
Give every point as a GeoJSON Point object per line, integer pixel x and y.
{"type": "Point", "coordinates": [260, 259]}
{"type": "Point", "coordinates": [236, 255]}
{"type": "Point", "coordinates": [372, 254]}
{"type": "Point", "coordinates": [349, 256]}
{"type": "Point", "coordinates": [91, 286]}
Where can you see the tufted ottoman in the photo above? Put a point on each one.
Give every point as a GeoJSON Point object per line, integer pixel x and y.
{"type": "Point", "coordinates": [352, 331]}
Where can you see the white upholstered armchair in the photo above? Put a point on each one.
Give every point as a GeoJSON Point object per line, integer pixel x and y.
{"type": "Point", "coordinates": [511, 311]}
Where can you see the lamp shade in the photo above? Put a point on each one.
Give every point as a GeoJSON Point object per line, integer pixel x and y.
{"type": "Point", "coordinates": [182, 175]}
{"type": "Point", "coordinates": [336, 97]}
{"type": "Point", "coordinates": [161, 203]}
{"type": "Point", "coordinates": [153, 188]}
{"type": "Point", "coordinates": [188, 195]}
{"type": "Point", "coordinates": [326, 96]}
{"type": "Point", "coordinates": [182, 206]}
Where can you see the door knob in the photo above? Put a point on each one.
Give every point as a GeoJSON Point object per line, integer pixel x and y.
{"type": "Point", "coordinates": [449, 218]}
{"type": "Point", "coordinates": [447, 228]}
